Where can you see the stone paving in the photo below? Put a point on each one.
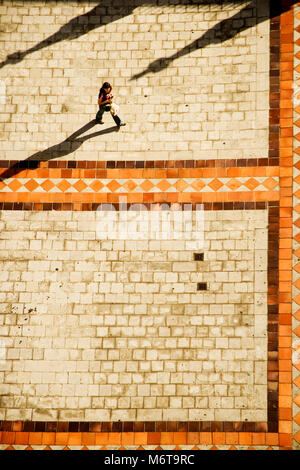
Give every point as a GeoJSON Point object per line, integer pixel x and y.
{"type": "Point", "coordinates": [149, 343]}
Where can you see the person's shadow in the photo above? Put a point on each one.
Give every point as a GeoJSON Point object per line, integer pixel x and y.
{"type": "Point", "coordinates": [69, 145]}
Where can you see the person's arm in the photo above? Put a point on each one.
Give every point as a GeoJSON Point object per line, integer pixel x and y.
{"type": "Point", "coordinates": [100, 102]}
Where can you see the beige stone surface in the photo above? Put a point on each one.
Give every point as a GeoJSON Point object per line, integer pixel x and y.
{"type": "Point", "coordinates": [101, 330]}
{"type": "Point", "coordinates": [209, 102]}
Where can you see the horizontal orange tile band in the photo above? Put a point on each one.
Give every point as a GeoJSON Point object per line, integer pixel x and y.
{"type": "Point", "coordinates": [245, 196]}
{"type": "Point", "coordinates": [145, 172]}
{"type": "Point", "coordinates": [141, 438]}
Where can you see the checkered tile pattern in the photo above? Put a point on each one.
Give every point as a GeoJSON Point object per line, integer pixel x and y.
{"type": "Point", "coordinates": [46, 185]}
{"type": "Point", "coordinates": [278, 183]}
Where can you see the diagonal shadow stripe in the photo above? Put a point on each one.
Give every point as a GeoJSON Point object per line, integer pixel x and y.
{"type": "Point", "coordinates": [221, 32]}
{"type": "Point", "coordinates": [106, 13]}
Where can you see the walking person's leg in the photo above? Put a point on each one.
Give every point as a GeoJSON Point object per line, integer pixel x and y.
{"type": "Point", "coordinates": [99, 115]}
{"type": "Point", "coordinates": [118, 120]}
{"type": "Point", "coordinates": [114, 110]}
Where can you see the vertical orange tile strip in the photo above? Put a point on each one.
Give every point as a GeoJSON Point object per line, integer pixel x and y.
{"type": "Point", "coordinates": [284, 437]}
{"type": "Point", "coordinates": [285, 224]}
{"type": "Point", "coordinates": [296, 278]}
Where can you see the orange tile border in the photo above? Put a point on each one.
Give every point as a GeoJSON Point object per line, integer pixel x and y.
{"type": "Point", "coordinates": [192, 438]}
{"type": "Point", "coordinates": [167, 438]}
{"type": "Point", "coordinates": [127, 438]}
{"type": "Point", "coordinates": [75, 438]}
{"type": "Point", "coordinates": [140, 438]}
{"type": "Point", "coordinates": [205, 438]}
{"type": "Point", "coordinates": [232, 438]}
{"type": "Point", "coordinates": [245, 438]}
{"type": "Point", "coordinates": [61, 438]}
{"type": "Point", "coordinates": [180, 438]}
{"type": "Point", "coordinates": [283, 437]}
{"type": "Point", "coordinates": [35, 438]}
{"type": "Point", "coordinates": [285, 231]}
{"type": "Point", "coordinates": [21, 437]}
{"type": "Point", "coordinates": [42, 198]}
{"type": "Point", "coordinates": [295, 386]}
{"type": "Point", "coordinates": [101, 438]}
{"type": "Point", "coordinates": [231, 172]}
{"type": "Point", "coordinates": [150, 438]}
{"type": "Point", "coordinates": [48, 438]}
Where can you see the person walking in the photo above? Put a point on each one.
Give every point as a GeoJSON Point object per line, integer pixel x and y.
{"type": "Point", "coordinates": [106, 104]}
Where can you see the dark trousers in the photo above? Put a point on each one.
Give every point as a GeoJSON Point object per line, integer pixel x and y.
{"type": "Point", "coordinates": [102, 110]}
